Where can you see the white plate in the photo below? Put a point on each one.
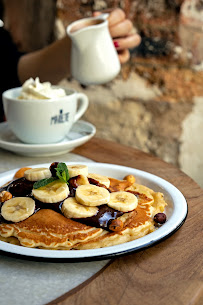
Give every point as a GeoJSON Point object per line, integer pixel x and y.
{"type": "Point", "coordinates": [80, 133]}
{"type": "Point", "coordinates": [176, 212]}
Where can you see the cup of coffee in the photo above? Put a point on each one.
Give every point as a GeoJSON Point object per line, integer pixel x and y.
{"type": "Point", "coordinates": [43, 120]}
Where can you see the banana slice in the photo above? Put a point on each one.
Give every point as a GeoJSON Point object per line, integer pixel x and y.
{"type": "Point", "coordinates": [92, 195]}
{"type": "Point", "coordinates": [82, 180]}
{"type": "Point", "coordinates": [101, 179]}
{"type": "Point", "coordinates": [18, 209]}
{"type": "Point", "coordinates": [35, 174]}
{"type": "Point", "coordinates": [77, 169]}
{"type": "Point", "coordinates": [123, 201]}
{"type": "Point", "coordinates": [52, 192]}
{"type": "Point", "coordinates": [72, 209]}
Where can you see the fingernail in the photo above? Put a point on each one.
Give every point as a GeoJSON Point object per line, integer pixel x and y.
{"type": "Point", "coordinates": [116, 44]}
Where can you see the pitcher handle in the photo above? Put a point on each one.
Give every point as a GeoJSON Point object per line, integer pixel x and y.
{"type": "Point", "coordinates": [84, 102]}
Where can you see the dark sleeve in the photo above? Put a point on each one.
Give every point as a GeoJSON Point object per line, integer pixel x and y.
{"type": "Point", "coordinates": [9, 57]}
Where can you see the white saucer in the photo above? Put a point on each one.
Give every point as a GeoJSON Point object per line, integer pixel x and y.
{"type": "Point", "coordinates": [80, 133]}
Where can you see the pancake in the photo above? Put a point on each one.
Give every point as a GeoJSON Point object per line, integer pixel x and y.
{"type": "Point", "coordinates": [118, 185]}
{"type": "Point", "coordinates": [136, 224]}
{"type": "Point", "coordinates": [156, 199]}
{"type": "Point", "coordinates": [48, 229]}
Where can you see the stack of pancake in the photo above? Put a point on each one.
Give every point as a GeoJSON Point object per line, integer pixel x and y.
{"type": "Point", "coordinates": [49, 229]}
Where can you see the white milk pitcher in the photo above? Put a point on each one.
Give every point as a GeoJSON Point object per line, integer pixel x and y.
{"type": "Point", "coordinates": [94, 59]}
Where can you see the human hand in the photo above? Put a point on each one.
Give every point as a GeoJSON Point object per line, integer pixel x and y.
{"type": "Point", "coordinates": [121, 30]}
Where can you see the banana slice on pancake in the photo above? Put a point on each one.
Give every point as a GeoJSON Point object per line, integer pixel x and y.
{"type": "Point", "coordinates": [77, 169]}
{"type": "Point", "coordinates": [82, 180]}
{"type": "Point", "coordinates": [36, 174]}
{"type": "Point", "coordinates": [18, 209]}
{"type": "Point", "coordinates": [53, 192]}
{"type": "Point", "coordinates": [72, 209]}
{"type": "Point", "coordinates": [101, 179]}
{"type": "Point", "coordinates": [123, 201]}
{"type": "Point", "coordinates": [92, 195]}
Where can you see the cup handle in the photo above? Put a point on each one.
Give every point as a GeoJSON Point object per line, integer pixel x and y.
{"type": "Point", "coordinates": [84, 102]}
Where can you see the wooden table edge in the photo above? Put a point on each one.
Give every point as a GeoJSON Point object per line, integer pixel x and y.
{"type": "Point", "coordinates": [101, 151]}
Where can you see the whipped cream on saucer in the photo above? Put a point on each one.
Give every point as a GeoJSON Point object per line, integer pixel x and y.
{"type": "Point", "coordinates": [34, 90]}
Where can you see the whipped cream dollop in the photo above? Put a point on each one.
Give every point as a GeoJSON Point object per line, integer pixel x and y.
{"type": "Point", "coordinates": [34, 90]}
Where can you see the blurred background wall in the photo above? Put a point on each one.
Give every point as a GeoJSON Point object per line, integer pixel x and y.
{"type": "Point", "coordinates": [156, 103]}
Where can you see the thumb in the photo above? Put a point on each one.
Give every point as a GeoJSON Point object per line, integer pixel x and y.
{"type": "Point", "coordinates": [95, 14]}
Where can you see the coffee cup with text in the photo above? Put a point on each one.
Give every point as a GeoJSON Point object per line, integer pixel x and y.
{"type": "Point", "coordinates": [43, 121]}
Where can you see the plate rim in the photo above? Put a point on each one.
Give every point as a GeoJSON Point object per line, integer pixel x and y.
{"type": "Point", "coordinates": [112, 251]}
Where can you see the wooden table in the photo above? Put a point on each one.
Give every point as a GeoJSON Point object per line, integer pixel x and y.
{"type": "Point", "coordinates": [169, 273]}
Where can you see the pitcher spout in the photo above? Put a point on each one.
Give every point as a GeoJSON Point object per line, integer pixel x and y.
{"type": "Point", "coordinates": [85, 29]}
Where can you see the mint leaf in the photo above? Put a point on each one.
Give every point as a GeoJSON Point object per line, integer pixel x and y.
{"type": "Point", "coordinates": [44, 182]}
{"type": "Point", "coordinates": [62, 172]}
{"type": "Point", "coordinates": [64, 176]}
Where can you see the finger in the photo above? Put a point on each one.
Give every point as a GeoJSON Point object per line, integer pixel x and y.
{"type": "Point", "coordinates": [123, 56]}
{"type": "Point", "coordinates": [97, 13]}
{"type": "Point", "coordinates": [115, 15]}
{"type": "Point", "coordinates": [128, 42]}
{"type": "Point", "coordinates": [121, 29]}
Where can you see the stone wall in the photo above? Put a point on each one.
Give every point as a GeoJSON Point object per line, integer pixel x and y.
{"type": "Point", "coordinates": [156, 103]}
{"type": "Point", "coordinates": [131, 112]}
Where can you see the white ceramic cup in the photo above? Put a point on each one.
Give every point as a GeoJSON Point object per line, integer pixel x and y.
{"type": "Point", "coordinates": [43, 121]}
